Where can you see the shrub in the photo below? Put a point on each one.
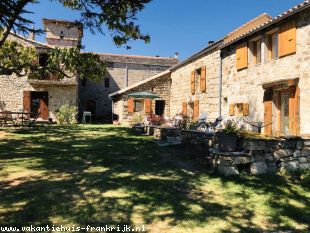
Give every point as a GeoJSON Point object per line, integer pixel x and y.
{"type": "Point", "coordinates": [67, 115]}
{"type": "Point", "coordinates": [232, 126]}
{"type": "Point", "coordinates": [155, 120]}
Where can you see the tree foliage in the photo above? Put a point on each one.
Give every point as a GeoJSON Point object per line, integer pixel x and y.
{"type": "Point", "coordinates": [61, 62]}
{"type": "Point", "coordinates": [117, 16]}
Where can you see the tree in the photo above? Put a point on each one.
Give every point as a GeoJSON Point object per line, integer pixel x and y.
{"type": "Point", "coordinates": [117, 16]}
{"type": "Point", "coordinates": [66, 62]}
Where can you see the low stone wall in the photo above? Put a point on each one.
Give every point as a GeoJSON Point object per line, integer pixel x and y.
{"type": "Point", "coordinates": [255, 156]}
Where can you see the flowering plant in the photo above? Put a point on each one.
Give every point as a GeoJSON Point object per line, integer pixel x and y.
{"type": "Point", "coordinates": [153, 119]}
{"type": "Point", "coordinates": [232, 126]}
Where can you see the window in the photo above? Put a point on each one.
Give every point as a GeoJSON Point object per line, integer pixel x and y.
{"type": "Point", "coordinates": [256, 51]}
{"type": "Point", "coordinates": [110, 64]}
{"type": "Point", "coordinates": [273, 46]}
{"type": "Point", "coordinates": [138, 105]}
{"type": "Point", "coordinates": [43, 58]}
{"type": "Point", "coordinates": [107, 82]}
{"type": "Point", "coordinates": [159, 107]}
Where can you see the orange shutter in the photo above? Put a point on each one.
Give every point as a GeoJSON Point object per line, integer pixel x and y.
{"type": "Point", "coordinates": [203, 79]}
{"type": "Point", "coordinates": [287, 39]}
{"type": "Point", "coordinates": [193, 83]}
{"type": "Point", "coordinates": [294, 111]}
{"type": "Point", "coordinates": [26, 101]}
{"type": "Point", "coordinates": [231, 110]}
{"type": "Point", "coordinates": [131, 105]}
{"type": "Point", "coordinates": [196, 110]}
{"type": "Point", "coordinates": [184, 109]}
{"type": "Point", "coordinates": [268, 112]}
{"type": "Point", "coordinates": [245, 109]}
{"type": "Point", "coordinates": [242, 56]}
{"type": "Point", "coordinates": [148, 106]}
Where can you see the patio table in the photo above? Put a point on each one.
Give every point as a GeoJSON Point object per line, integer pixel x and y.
{"type": "Point", "coordinates": [22, 114]}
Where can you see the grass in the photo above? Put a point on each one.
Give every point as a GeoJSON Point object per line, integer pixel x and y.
{"type": "Point", "coordinates": [100, 174]}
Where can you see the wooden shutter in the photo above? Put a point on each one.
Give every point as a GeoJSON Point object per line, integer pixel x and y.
{"type": "Point", "coordinates": [148, 106]}
{"type": "Point", "coordinates": [131, 105]}
{"type": "Point", "coordinates": [268, 112]}
{"type": "Point", "coordinates": [27, 101]}
{"type": "Point", "coordinates": [184, 109]}
{"type": "Point", "coordinates": [246, 109]}
{"type": "Point", "coordinates": [196, 110]}
{"type": "Point", "coordinates": [203, 79]}
{"type": "Point", "coordinates": [294, 111]}
{"type": "Point", "coordinates": [242, 56]}
{"type": "Point", "coordinates": [193, 83]}
{"type": "Point", "coordinates": [287, 39]}
{"type": "Point", "coordinates": [231, 109]}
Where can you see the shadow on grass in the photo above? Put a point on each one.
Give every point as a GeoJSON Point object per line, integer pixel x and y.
{"type": "Point", "coordinates": [103, 175]}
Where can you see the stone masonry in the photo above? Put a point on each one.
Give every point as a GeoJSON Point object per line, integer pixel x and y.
{"type": "Point", "coordinates": [159, 86]}
{"type": "Point", "coordinates": [123, 71]}
{"type": "Point", "coordinates": [246, 85]}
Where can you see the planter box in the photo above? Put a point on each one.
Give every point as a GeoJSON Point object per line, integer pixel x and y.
{"type": "Point", "coordinates": [227, 143]}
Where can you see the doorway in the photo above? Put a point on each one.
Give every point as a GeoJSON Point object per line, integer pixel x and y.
{"type": "Point", "coordinates": [39, 105]}
{"type": "Point", "coordinates": [281, 115]}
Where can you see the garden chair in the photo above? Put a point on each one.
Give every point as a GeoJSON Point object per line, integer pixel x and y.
{"type": "Point", "coordinates": [31, 122]}
{"type": "Point", "coordinates": [8, 119]}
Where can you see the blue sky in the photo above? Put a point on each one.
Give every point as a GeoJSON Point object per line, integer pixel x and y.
{"type": "Point", "coordinates": [174, 25]}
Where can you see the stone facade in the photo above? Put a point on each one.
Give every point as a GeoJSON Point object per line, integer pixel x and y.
{"type": "Point", "coordinates": [123, 71]}
{"type": "Point", "coordinates": [160, 85]}
{"type": "Point", "coordinates": [247, 85]}
{"type": "Point", "coordinates": [12, 88]}
{"type": "Point", "coordinates": [181, 86]}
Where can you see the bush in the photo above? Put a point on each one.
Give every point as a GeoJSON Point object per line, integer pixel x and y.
{"type": "Point", "coordinates": [67, 115]}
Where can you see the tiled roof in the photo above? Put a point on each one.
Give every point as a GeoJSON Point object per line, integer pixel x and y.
{"type": "Point", "coordinates": [34, 42]}
{"type": "Point", "coordinates": [135, 56]}
{"type": "Point", "coordinates": [274, 20]}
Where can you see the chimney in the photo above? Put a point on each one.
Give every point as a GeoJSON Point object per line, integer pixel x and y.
{"type": "Point", "coordinates": [32, 35]}
{"type": "Point", "coordinates": [176, 55]}
{"type": "Point", "coordinates": [211, 42]}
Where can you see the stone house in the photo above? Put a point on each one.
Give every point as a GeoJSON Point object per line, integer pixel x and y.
{"type": "Point", "coordinates": [46, 95]}
{"type": "Point", "coordinates": [122, 71]}
{"type": "Point", "coordinates": [259, 72]}
{"type": "Point", "coordinates": [126, 109]}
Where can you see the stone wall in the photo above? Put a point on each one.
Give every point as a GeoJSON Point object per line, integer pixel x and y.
{"type": "Point", "coordinates": [12, 89]}
{"type": "Point", "coordinates": [181, 86]}
{"type": "Point", "coordinates": [120, 68]}
{"type": "Point", "coordinates": [254, 156]}
{"type": "Point", "coordinates": [245, 86]}
{"type": "Point", "coordinates": [159, 86]}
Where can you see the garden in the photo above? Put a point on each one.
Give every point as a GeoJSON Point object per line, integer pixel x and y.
{"type": "Point", "coordinates": [103, 174]}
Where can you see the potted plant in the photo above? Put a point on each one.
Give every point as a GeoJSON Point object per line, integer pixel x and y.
{"type": "Point", "coordinates": [229, 134]}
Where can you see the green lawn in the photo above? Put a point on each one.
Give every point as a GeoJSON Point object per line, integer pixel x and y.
{"type": "Point", "coordinates": [96, 175]}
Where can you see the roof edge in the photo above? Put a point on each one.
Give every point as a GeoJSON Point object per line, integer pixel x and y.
{"type": "Point", "coordinates": [168, 71]}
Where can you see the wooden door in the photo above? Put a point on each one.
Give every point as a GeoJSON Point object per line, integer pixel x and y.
{"type": "Point", "coordinates": [39, 105]}
{"type": "Point", "coordinates": [27, 101]}
{"type": "Point", "coordinates": [268, 112]}
{"type": "Point", "coordinates": [44, 114]}
{"type": "Point", "coordinates": [294, 106]}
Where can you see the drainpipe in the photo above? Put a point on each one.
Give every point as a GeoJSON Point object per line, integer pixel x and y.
{"type": "Point", "coordinates": [126, 76]}
{"type": "Point", "coordinates": [220, 85]}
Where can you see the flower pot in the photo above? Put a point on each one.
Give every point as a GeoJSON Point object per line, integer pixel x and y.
{"type": "Point", "coordinates": [227, 143]}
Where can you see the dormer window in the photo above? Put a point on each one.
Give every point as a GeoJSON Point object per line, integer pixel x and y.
{"type": "Point", "coordinates": [62, 35]}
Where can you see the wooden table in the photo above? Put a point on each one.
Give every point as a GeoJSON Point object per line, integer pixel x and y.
{"type": "Point", "coordinates": [5, 115]}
